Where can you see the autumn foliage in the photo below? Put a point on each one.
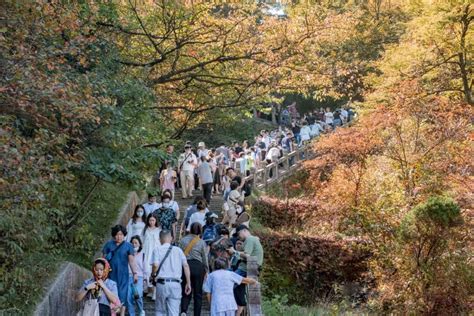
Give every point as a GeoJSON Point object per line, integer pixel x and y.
{"type": "Point", "coordinates": [294, 214]}
{"type": "Point", "coordinates": [91, 91]}
{"type": "Point", "coordinates": [317, 264]}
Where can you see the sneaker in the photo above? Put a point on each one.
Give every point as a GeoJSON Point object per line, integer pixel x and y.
{"type": "Point", "coordinates": [142, 313]}
{"type": "Point", "coordinates": [183, 314]}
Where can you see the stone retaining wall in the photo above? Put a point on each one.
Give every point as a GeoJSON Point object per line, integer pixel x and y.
{"type": "Point", "coordinates": [60, 298]}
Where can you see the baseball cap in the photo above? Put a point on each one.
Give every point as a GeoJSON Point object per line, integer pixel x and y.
{"type": "Point", "coordinates": [211, 215]}
{"type": "Point", "coordinates": [240, 228]}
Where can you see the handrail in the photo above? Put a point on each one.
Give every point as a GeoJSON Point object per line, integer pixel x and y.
{"type": "Point", "coordinates": [260, 179]}
{"type": "Point", "coordinates": [275, 171]}
{"type": "Point", "coordinates": [254, 304]}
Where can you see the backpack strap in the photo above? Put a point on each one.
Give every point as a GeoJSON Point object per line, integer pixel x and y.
{"type": "Point", "coordinates": [190, 246]}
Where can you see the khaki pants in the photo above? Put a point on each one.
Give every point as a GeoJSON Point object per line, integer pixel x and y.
{"type": "Point", "coordinates": [168, 299]}
{"type": "Point", "coordinates": [230, 216]}
{"type": "Point", "coordinates": [187, 182]}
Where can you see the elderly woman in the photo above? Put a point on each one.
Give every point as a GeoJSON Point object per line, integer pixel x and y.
{"type": "Point", "coordinates": [100, 287]}
{"type": "Point", "coordinates": [220, 288]}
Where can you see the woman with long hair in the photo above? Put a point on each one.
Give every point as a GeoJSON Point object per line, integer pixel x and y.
{"type": "Point", "coordinates": [137, 223]}
{"type": "Point", "coordinates": [136, 290]}
{"type": "Point", "coordinates": [151, 237]}
{"type": "Point", "coordinates": [168, 178]}
{"type": "Point", "coordinates": [195, 250]}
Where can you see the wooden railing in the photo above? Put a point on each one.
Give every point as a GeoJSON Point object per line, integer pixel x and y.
{"type": "Point", "coordinates": [277, 170]}
{"type": "Point", "coordinates": [261, 179]}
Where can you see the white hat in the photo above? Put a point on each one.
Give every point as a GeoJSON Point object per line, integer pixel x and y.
{"type": "Point", "coordinates": [201, 144]}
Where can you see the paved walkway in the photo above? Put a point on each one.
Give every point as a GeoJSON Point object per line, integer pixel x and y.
{"type": "Point", "coordinates": [216, 207]}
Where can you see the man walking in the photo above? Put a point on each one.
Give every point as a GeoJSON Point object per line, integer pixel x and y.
{"type": "Point", "coordinates": [206, 179]}
{"type": "Point", "coordinates": [168, 265]}
{"type": "Point", "coordinates": [186, 164]}
{"type": "Point", "coordinates": [252, 248]}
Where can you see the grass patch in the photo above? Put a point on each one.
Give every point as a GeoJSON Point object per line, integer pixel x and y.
{"type": "Point", "coordinates": [38, 270]}
{"type": "Point", "coordinates": [279, 306]}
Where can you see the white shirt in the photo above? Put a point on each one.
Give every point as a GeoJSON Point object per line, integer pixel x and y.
{"type": "Point", "coordinates": [267, 141]}
{"type": "Point", "coordinates": [273, 153]}
{"type": "Point", "coordinates": [202, 152]}
{"type": "Point", "coordinates": [134, 229]}
{"type": "Point", "coordinates": [344, 114]}
{"type": "Point", "coordinates": [328, 117]}
{"type": "Point", "coordinates": [150, 207]}
{"type": "Point", "coordinates": [197, 217]}
{"type": "Point", "coordinates": [189, 163]}
{"type": "Point", "coordinates": [316, 129]}
{"type": "Point", "coordinates": [173, 266]}
{"type": "Point", "coordinates": [305, 131]}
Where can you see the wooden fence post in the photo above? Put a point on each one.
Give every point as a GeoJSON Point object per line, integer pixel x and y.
{"type": "Point", "coordinates": [254, 304]}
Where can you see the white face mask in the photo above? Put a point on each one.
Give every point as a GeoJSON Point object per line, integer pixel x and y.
{"type": "Point", "coordinates": [136, 248]}
{"type": "Point", "coordinates": [166, 204]}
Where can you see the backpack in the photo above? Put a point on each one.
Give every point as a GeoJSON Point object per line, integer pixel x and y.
{"type": "Point", "coordinates": [209, 233]}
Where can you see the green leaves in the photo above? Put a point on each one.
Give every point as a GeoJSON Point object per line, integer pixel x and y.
{"type": "Point", "coordinates": [431, 219]}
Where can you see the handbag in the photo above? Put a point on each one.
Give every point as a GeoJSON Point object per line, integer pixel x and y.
{"type": "Point", "coordinates": [89, 307]}
{"type": "Point", "coordinates": [135, 293]}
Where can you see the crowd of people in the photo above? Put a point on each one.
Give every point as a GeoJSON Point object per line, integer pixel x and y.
{"type": "Point", "coordinates": [148, 257]}
{"type": "Point", "coordinates": [207, 168]}
{"type": "Point", "coordinates": [172, 272]}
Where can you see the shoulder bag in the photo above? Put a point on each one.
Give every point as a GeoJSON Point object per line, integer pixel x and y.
{"type": "Point", "coordinates": [111, 254]}
{"type": "Point", "coordinates": [153, 281]}
{"type": "Point", "coordinates": [190, 246]}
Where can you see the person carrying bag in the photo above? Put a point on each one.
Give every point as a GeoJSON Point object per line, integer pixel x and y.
{"type": "Point", "coordinates": [99, 295]}
{"type": "Point", "coordinates": [195, 251]}
{"type": "Point", "coordinates": [168, 265]}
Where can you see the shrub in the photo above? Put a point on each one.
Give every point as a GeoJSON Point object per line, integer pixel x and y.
{"type": "Point", "coordinates": [431, 268]}
{"type": "Point", "coordinates": [293, 214]}
{"type": "Point", "coordinates": [316, 265]}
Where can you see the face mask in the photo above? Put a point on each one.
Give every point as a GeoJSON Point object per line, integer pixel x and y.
{"type": "Point", "coordinates": [136, 248]}
{"type": "Point", "coordinates": [140, 213]}
{"type": "Point", "coordinates": [166, 204]}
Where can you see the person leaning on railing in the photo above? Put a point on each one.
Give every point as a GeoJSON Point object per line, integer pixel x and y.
{"type": "Point", "coordinates": [219, 287]}
{"type": "Point", "coordinates": [252, 248]}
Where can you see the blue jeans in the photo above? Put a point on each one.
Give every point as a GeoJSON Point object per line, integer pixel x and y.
{"type": "Point", "coordinates": [131, 300]}
{"type": "Point", "coordinates": [226, 194]}
{"type": "Point", "coordinates": [298, 138]}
